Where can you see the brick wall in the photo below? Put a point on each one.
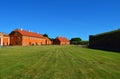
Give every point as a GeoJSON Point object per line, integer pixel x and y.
{"type": "Point", "coordinates": [32, 41]}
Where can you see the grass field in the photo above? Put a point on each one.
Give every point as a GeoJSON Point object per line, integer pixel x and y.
{"type": "Point", "coordinates": [58, 62]}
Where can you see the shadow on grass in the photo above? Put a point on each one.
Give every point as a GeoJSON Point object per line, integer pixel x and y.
{"type": "Point", "coordinates": [117, 50]}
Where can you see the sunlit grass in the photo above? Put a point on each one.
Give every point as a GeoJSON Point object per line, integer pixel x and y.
{"type": "Point", "coordinates": [58, 62]}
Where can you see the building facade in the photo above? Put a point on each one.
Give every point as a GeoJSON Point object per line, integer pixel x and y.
{"type": "Point", "coordinates": [48, 41]}
{"type": "Point", "coordinates": [26, 38]}
{"type": "Point", "coordinates": [4, 39]}
{"type": "Point", "coordinates": [61, 41]}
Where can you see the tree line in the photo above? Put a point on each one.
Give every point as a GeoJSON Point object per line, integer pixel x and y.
{"type": "Point", "coordinates": [73, 41]}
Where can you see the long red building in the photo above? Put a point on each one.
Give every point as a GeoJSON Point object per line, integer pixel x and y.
{"type": "Point", "coordinates": [25, 38]}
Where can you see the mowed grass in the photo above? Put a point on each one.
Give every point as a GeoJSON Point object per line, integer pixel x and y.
{"type": "Point", "coordinates": [58, 62]}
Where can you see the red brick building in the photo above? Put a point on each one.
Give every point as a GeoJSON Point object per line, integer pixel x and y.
{"type": "Point", "coordinates": [48, 41]}
{"type": "Point", "coordinates": [4, 39]}
{"type": "Point", "coordinates": [61, 41]}
{"type": "Point", "coordinates": [25, 38]}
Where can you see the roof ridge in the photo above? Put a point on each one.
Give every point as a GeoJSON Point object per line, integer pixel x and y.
{"type": "Point", "coordinates": [28, 33]}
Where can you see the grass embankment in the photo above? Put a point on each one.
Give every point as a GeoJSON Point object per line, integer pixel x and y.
{"type": "Point", "coordinates": [58, 62]}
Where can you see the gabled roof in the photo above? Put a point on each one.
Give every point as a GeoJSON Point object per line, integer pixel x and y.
{"type": "Point", "coordinates": [62, 39]}
{"type": "Point", "coordinates": [27, 33]}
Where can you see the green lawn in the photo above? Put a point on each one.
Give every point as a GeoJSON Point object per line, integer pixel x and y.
{"type": "Point", "coordinates": [58, 62]}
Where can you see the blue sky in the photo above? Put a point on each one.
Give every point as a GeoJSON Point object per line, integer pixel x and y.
{"type": "Point", "coordinates": [68, 18]}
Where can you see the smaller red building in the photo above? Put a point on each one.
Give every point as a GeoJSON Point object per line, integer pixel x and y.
{"type": "Point", "coordinates": [61, 41]}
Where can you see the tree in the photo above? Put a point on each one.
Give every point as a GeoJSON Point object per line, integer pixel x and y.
{"type": "Point", "coordinates": [75, 41]}
{"type": "Point", "coordinates": [84, 42]}
{"type": "Point", "coordinates": [52, 39]}
{"type": "Point", "coordinates": [46, 35]}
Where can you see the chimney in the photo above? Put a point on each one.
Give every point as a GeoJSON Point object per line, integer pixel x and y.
{"type": "Point", "coordinates": [21, 29]}
{"type": "Point", "coordinates": [37, 32]}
